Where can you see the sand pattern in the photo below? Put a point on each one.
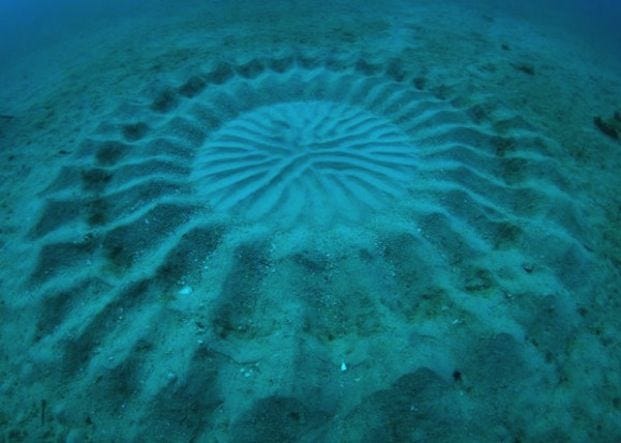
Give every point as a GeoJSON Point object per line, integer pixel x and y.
{"type": "Point", "coordinates": [294, 141]}
{"type": "Point", "coordinates": [307, 160]}
{"type": "Point", "coordinates": [169, 284]}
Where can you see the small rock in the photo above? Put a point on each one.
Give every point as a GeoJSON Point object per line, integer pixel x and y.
{"type": "Point", "coordinates": [528, 267]}
{"type": "Point", "coordinates": [526, 68]}
{"type": "Point", "coordinates": [606, 127]}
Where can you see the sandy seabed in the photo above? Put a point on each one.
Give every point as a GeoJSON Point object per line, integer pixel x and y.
{"type": "Point", "coordinates": [269, 223]}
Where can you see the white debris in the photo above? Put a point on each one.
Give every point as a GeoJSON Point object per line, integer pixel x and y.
{"type": "Point", "coordinates": [186, 290]}
{"type": "Point", "coordinates": [343, 366]}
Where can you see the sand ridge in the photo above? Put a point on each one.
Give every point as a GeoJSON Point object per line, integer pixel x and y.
{"type": "Point", "coordinates": [450, 307]}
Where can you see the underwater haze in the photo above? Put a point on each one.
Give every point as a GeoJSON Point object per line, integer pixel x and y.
{"type": "Point", "coordinates": [310, 221]}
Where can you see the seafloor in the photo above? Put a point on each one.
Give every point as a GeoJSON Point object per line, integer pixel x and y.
{"type": "Point", "coordinates": [288, 221]}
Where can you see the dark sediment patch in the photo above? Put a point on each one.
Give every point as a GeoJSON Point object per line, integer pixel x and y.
{"type": "Point", "coordinates": [525, 68]}
{"type": "Point", "coordinates": [395, 70]}
{"type": "Point", "coordinates": [251, 69]}
{"type": "Point", "coordinates": [189, 255]}
{"type": "Point", "coordinates": [366, 68]}
{"type": "Point", "coordinates": [607, 127]}
{"type": "Point", "coordinates": [165, 101]}
{"type": "Point", "coordinates": [277, 418]}
{"type": "Point", "coordinates": [193, 86]}
{"type": "Point", "coordinates": [234, 316]}
{"type": "Point", "coordinates": [221, 74]}
{"type": "Point", "coordinates": [135, 131]}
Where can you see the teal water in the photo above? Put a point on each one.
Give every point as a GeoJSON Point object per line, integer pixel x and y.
{"type": "Point", "coordinates": [293, 221]}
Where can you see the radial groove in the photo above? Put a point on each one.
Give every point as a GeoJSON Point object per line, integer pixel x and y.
{"type": "Point", "coordinates": [289, 148]}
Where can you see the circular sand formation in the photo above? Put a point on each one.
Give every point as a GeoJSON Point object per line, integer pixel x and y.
{"type": "Point", "coordinates": [286, 142]}
{"type": "Point", "coordinates": [316, 160]}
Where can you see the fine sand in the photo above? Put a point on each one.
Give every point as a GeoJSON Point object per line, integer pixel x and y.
{"type": "Point", "coordinates": [283, 222]}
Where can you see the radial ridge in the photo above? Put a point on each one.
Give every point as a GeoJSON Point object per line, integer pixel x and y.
{"type": "Point", "coordinates": [256, 218]}
{"type": "Point", "coordinates": [312, 159]}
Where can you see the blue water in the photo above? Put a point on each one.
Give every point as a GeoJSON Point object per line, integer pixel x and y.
{"type": "Point", "coordinates": [597, 22]}
{"type": "Point", "coordinates": [29, 23]}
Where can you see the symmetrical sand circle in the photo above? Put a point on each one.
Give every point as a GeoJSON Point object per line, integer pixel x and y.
{"type": "Point", "coordinates": [316, 161]}
{"type": "Point", "coordinates": [147, 221]}
{"type": "Point", "coordinates": [292, 142]}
